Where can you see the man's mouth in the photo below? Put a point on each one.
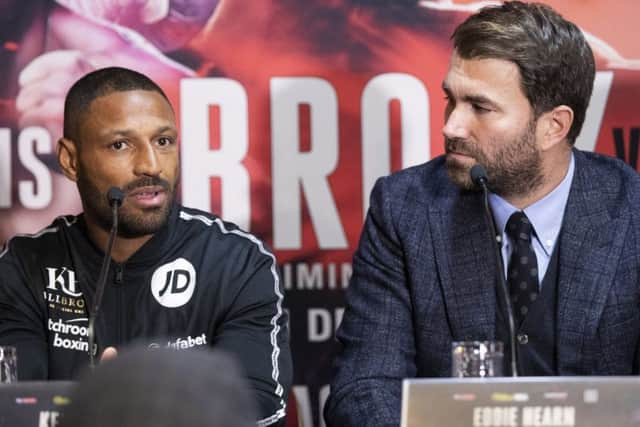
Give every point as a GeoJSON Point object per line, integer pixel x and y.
{"type": "Point", "coordinates": [458, 155]}
{"type": "Point", "coordinates": [147, 197]}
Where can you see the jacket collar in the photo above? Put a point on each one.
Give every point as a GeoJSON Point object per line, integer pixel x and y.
{"type": "Point", "coordinates": [91, 256]}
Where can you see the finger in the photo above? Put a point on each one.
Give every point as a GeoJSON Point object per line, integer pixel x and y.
{"type": "Point", "coordinates": [34, 94]}
{"type": "Point", "coordinates": [108, 353]}
{"type": "Point", "coordinates": [41, 67]}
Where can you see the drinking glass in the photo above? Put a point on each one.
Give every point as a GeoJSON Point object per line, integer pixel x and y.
{"type": "Point", "coordinates": [8, 364]}
{"type": "Point", "coordinates": [476, 359]}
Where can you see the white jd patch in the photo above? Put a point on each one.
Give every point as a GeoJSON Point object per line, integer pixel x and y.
{"type": "Point", "coordinates": [172, 284]}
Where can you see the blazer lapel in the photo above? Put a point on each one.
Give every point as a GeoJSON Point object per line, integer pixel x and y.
{"type": "Point", "coordinates": [590, 245]}
{"type": "Point", "coordinates": [466, 265]}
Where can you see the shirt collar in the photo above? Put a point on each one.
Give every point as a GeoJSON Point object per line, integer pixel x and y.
{"type": "Point", "coordinates": [545, 215]}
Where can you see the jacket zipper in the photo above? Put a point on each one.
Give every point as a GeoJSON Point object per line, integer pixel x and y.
{"type": "Point", "coordinates": [118, 276]}
{"type": "Point", "coordinates": [118, 281]}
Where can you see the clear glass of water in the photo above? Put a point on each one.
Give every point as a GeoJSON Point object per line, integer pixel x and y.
{"type": "Point", "coordinates": [8, 364]}
{"type": "Point", "coordinates": [476, 359]}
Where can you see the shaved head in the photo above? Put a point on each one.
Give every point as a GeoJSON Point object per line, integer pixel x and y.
{"type": "Point", "coordinates": [96, 84]}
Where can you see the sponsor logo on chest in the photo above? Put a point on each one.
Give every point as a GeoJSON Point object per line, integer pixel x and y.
{"type": "Point", "coordinates": [172, 284]}
{"type": "Point", "coordinates": [183, 343]}
{"type": "Point", "coordinates": [62, 293]}
{"type": "Point", "coordinates": [70, 334]}
{"type": "Point", "coordinates": [67, 322]}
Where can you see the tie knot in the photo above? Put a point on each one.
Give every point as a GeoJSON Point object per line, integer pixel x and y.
{"type": "Point", "coordinates": [519, 227]}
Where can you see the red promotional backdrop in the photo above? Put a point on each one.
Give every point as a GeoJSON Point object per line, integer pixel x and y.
{"type": "Point", "coordinates": [289, 111]}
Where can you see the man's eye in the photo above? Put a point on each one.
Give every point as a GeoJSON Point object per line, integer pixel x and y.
{"type": "Point", "coordinates": [118, 145]}
{"type": "Point", "coordinates": [479, 108]}
{"type": "Point", "coordinates": [164, 141]}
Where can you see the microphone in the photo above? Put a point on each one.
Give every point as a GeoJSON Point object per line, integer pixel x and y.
{"type": "Point", "coordinates": [115, 196]}
{"type": "Point", "coordinates": [479, 177]}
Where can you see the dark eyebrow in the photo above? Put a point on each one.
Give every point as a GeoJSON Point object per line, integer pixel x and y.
{"type": "Point", "coordinates": [164, 129]}
{"type": "Point", "coordinates": [131, 132]}
{"type": "Point", "coordinates": [120, 132]}
{"type": "Point", "coordinates": [471, 99]}
{"type": "Point", "coordinates": [478, 99]}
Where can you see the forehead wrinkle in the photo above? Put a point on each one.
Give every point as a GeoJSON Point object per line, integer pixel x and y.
{"type": "Point", "coordinates": [133, 132]}
{"type": "Point", "coordinates": [140, 112]}
{"type": "Point", "coordinates": [482, 80]}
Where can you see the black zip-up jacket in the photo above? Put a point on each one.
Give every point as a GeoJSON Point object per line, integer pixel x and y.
{"type": "Point", "coordinates": [199, 281]}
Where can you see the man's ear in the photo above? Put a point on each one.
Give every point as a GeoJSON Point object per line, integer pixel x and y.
{"type": "Point", "coordinates": [68, 158]}
{"type": "Point", "coordinates": [553, 127]}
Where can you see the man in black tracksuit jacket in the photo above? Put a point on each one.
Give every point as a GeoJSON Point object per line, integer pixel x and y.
{"type": "Point", "coordinates": [193, 281]}
{"type": "Point", "coordinates": [222, 290]}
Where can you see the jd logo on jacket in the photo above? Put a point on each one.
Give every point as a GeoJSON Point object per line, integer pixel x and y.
{"type": "Point", "coordinates": [172, 284]}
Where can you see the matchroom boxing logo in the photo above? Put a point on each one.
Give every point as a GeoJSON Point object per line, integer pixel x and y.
{"type": "Point", "coordinates": [172, 284]}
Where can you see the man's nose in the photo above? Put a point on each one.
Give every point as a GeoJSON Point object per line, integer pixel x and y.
{"type": "Point", "coordinates": [456, 125]}
{"type": "Point", "coordinates": [147, 162]}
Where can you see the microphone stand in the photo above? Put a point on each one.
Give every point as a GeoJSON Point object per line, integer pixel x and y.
{"type": "Point", "coordinates": [479, 177]}
{"type": "Point", "coordinates": [115, 197]}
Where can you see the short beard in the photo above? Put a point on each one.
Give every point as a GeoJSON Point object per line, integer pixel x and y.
{"type": "Point", "coordinates": [515, 170]}
{"type": "Point", "coordinates": [130, 224]}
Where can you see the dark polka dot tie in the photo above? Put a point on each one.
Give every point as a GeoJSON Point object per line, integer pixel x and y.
{"type": "Point", "coordinates": [522, 274]}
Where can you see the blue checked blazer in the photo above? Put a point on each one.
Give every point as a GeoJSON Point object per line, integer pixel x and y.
{"type": "Point", "coordinates": [424, 275]}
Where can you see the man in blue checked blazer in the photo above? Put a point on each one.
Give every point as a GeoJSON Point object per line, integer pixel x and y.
{"type": "Point", "coordinates": [518, 85]}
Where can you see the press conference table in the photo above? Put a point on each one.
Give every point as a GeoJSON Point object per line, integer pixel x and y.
{"type": "Point", "coordinates": [435, 402]}
{"type": "Point", "coordinates": [33, 403]}
{"type": "Point", "coordinates": [588, 401]}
